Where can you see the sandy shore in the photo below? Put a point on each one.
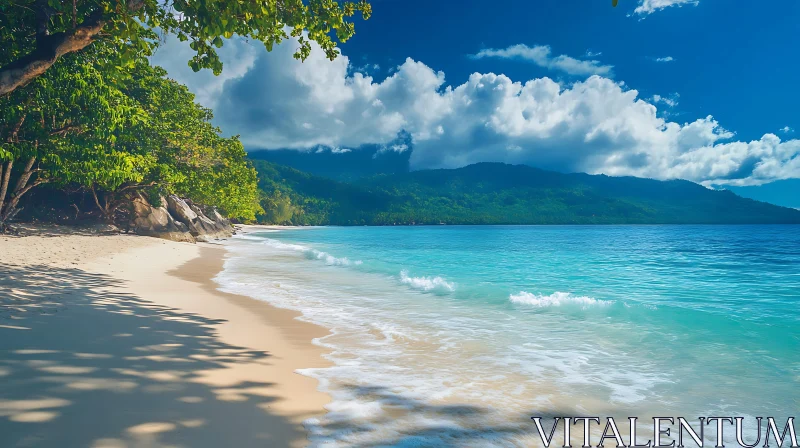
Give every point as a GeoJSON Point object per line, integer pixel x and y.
{"type": "Point", "coordinates": [123, 341]}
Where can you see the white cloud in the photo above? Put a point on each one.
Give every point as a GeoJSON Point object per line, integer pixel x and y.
{"type": "Point", "coordinates": [647, 7]}
{"type": "Point", "coordinates": [786, 130]}
{"type": "Point", "coordinates": [367, 69]}
{"type": "Point", "coordinates": [236, 55]}
{"type": "Point", "coordinates": [665, 59]}
{"type": "Point", "coordinates": [541, 56]}
{"type": "Point", "coordinates": [669, 101]}
{"type": "Point", "coordinates": [595, 126]}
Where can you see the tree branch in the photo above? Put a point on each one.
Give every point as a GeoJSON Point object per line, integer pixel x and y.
{"type": "Point", "coordinates": [136, 186]}
{"type": "Point", "coordinates": [96, 201]}
{"type": "Point", "coordinates": [66, 129]}
{"type": "Point", "coordinates": [35, 183]}
{"type": "Point", "coordinates": [51, 47]}
{"type": "Point", "coordinates": [48, 49]}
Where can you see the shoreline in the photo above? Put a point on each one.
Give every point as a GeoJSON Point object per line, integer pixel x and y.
{"type": "Point", "coordinates": [138, 324]}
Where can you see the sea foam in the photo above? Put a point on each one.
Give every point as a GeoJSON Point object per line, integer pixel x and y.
{"type": "Point", "coordinates": [311, 254]}
{"type": "Point", "coordinates": [556, 299]}
{"type": "Point", "coordinates": [428, 284]}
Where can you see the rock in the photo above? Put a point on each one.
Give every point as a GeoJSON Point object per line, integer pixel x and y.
{"type": "Point", "coordinates": [180, 210]}
{"type": "Point", "coordinates": [157, 222]}
{"type": "Point", "coordinates": [179, 220]}
{"type": "Point", "coordinates": [199, 224]}
{"type": "Point", "coordinates": [104, 229]}
{"type": "Point", "coordinates": [220, 219]}
{"type": "Point", "coordinates": [209, 229]}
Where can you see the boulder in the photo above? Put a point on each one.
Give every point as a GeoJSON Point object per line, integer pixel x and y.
{"type": "Point", "coordinates": [214, 214]}
{"type": "Point", "coordinates": [207, 228]}
{"type": "Point", "coordinates": [157, 222]}
{"type": "Point", "coordinates": [180, 210]}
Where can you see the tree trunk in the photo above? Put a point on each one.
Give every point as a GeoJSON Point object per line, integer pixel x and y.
{"type": "Point", "coordinates": [106, 208]}
{"type": "Point", "coordinates": [4, 183]}
{"type": "Point", "coordinates": [20, 189]}
{"type": "Point", "coordinates": [25, 176]}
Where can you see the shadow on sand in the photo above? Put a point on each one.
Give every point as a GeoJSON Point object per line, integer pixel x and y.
{"type": "Point", "coordinates": [84, 367]}
{"type": "Point", "coordinates": [438, 425]}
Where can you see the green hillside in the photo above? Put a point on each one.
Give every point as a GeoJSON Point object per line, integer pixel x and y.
{"type": "Point", "coordinates": [496, 193]}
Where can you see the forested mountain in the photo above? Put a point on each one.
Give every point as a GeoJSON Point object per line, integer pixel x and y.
{"type": "Point", "coordinates": [496, 193]}
{"type": "Point", "coordinates": [342, 165]}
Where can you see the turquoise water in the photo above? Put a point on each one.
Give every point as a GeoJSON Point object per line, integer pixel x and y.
{"type": "Point", "coordinates": [455, 336]}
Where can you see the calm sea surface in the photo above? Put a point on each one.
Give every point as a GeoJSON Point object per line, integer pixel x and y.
{"type": "Point", "coordinates": [455, 336]}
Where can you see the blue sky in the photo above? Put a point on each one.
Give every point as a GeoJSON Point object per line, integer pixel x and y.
{"type": "Point", "coordinates": [735, 59]}
{"type": "Point", "coordinates": [721, 76]}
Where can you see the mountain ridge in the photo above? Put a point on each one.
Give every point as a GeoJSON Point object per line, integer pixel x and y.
{"type": "Point", "coordinates": [498, 193]}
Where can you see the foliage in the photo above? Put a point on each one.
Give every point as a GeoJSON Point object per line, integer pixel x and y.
{"type": "Point", "coordinates": [35, 33]}
{"type": "Point", "coordinates": [78, 130]}
{"type": "Point", "coordinates": [278, 208]}
{"type": "Point", "coordinates": [494, 193]}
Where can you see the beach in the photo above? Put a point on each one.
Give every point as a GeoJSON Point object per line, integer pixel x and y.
{"type": "Point", "coordinates": [124, 341]}
{"type": "Point", "coordinates": [390, 336]}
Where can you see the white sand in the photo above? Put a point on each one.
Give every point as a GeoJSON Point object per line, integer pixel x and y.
{"type": "Point", "coordinates": [122, 341]}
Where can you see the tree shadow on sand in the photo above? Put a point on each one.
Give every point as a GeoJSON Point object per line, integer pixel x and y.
{"type": "Point", "coordinates": [425, 424]}
{"type": "Point", "coordinates": [84, 367]}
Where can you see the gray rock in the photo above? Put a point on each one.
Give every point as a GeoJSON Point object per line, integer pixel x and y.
{"type": "Point", "coordinates": [157, 222]}
{"type": "Point", "coordinates": [180, 210]}
{"type": "Point", "coordinates": [210, 228]}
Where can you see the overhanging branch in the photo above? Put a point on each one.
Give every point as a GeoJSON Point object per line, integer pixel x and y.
{"type": "Point", "coordinates": [48, 50]}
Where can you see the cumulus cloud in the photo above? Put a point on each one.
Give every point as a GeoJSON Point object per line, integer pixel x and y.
{"type": "Point", "coordinates": [665, 59]}
{"type": "Point", "coordinates": [786, 130]}
{"type": "Point", "coordinates": [647, 7]}
{"type": "Point", "coordinates": [596, 125]}
{"type": "Point", "coordinates": [541, 56]}
{"type": "Point", "coordinates": [236, 55]}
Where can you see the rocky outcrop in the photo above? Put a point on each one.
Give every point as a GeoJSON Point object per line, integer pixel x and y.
{"type": "Point", "coordinates": [199, 224]}
{"type": "Point", "coordinates": [156, 221]}
{"type": "Point", "coordinates": [178, 220]}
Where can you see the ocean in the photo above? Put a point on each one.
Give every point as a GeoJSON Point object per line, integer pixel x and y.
{"type": "Point", "coordinates": [457, 335]}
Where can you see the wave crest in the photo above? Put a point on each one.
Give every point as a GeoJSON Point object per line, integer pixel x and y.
{"type": "Point", "coordinates": [556, 299]}
{"type": "Point", "coordinates": [312, 254]}
{"type": "Point", "coordinates": [427, 284]}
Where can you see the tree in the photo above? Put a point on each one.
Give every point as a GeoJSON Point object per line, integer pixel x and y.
{"type": "Point", "coordinates": [194, 160]}
{"type": "Point", "coordinates": [41, 126]}
{"type": "Point", "coordinates": [277, 207]}
{"type": "Point", "coordinates": [73, 127]}
{"type": "Point", "coordinates": [36, 33]}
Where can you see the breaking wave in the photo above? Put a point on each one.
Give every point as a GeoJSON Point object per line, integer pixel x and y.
{"type": "Point", "coordinates": [556, 299]}
{"type": "Point", "coordinates": [312, 254]}
{"type": "Point", "coordinates": [427, 284]}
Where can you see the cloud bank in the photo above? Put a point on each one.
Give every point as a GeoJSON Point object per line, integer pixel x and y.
{"type": "Point", "coordinates": [596, 125]}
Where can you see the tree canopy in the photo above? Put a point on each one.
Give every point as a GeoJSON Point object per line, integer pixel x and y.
{"type": "Point", "coordinates": [36, 33]}
{"type": "Point", "coordinates": [74, 128]}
